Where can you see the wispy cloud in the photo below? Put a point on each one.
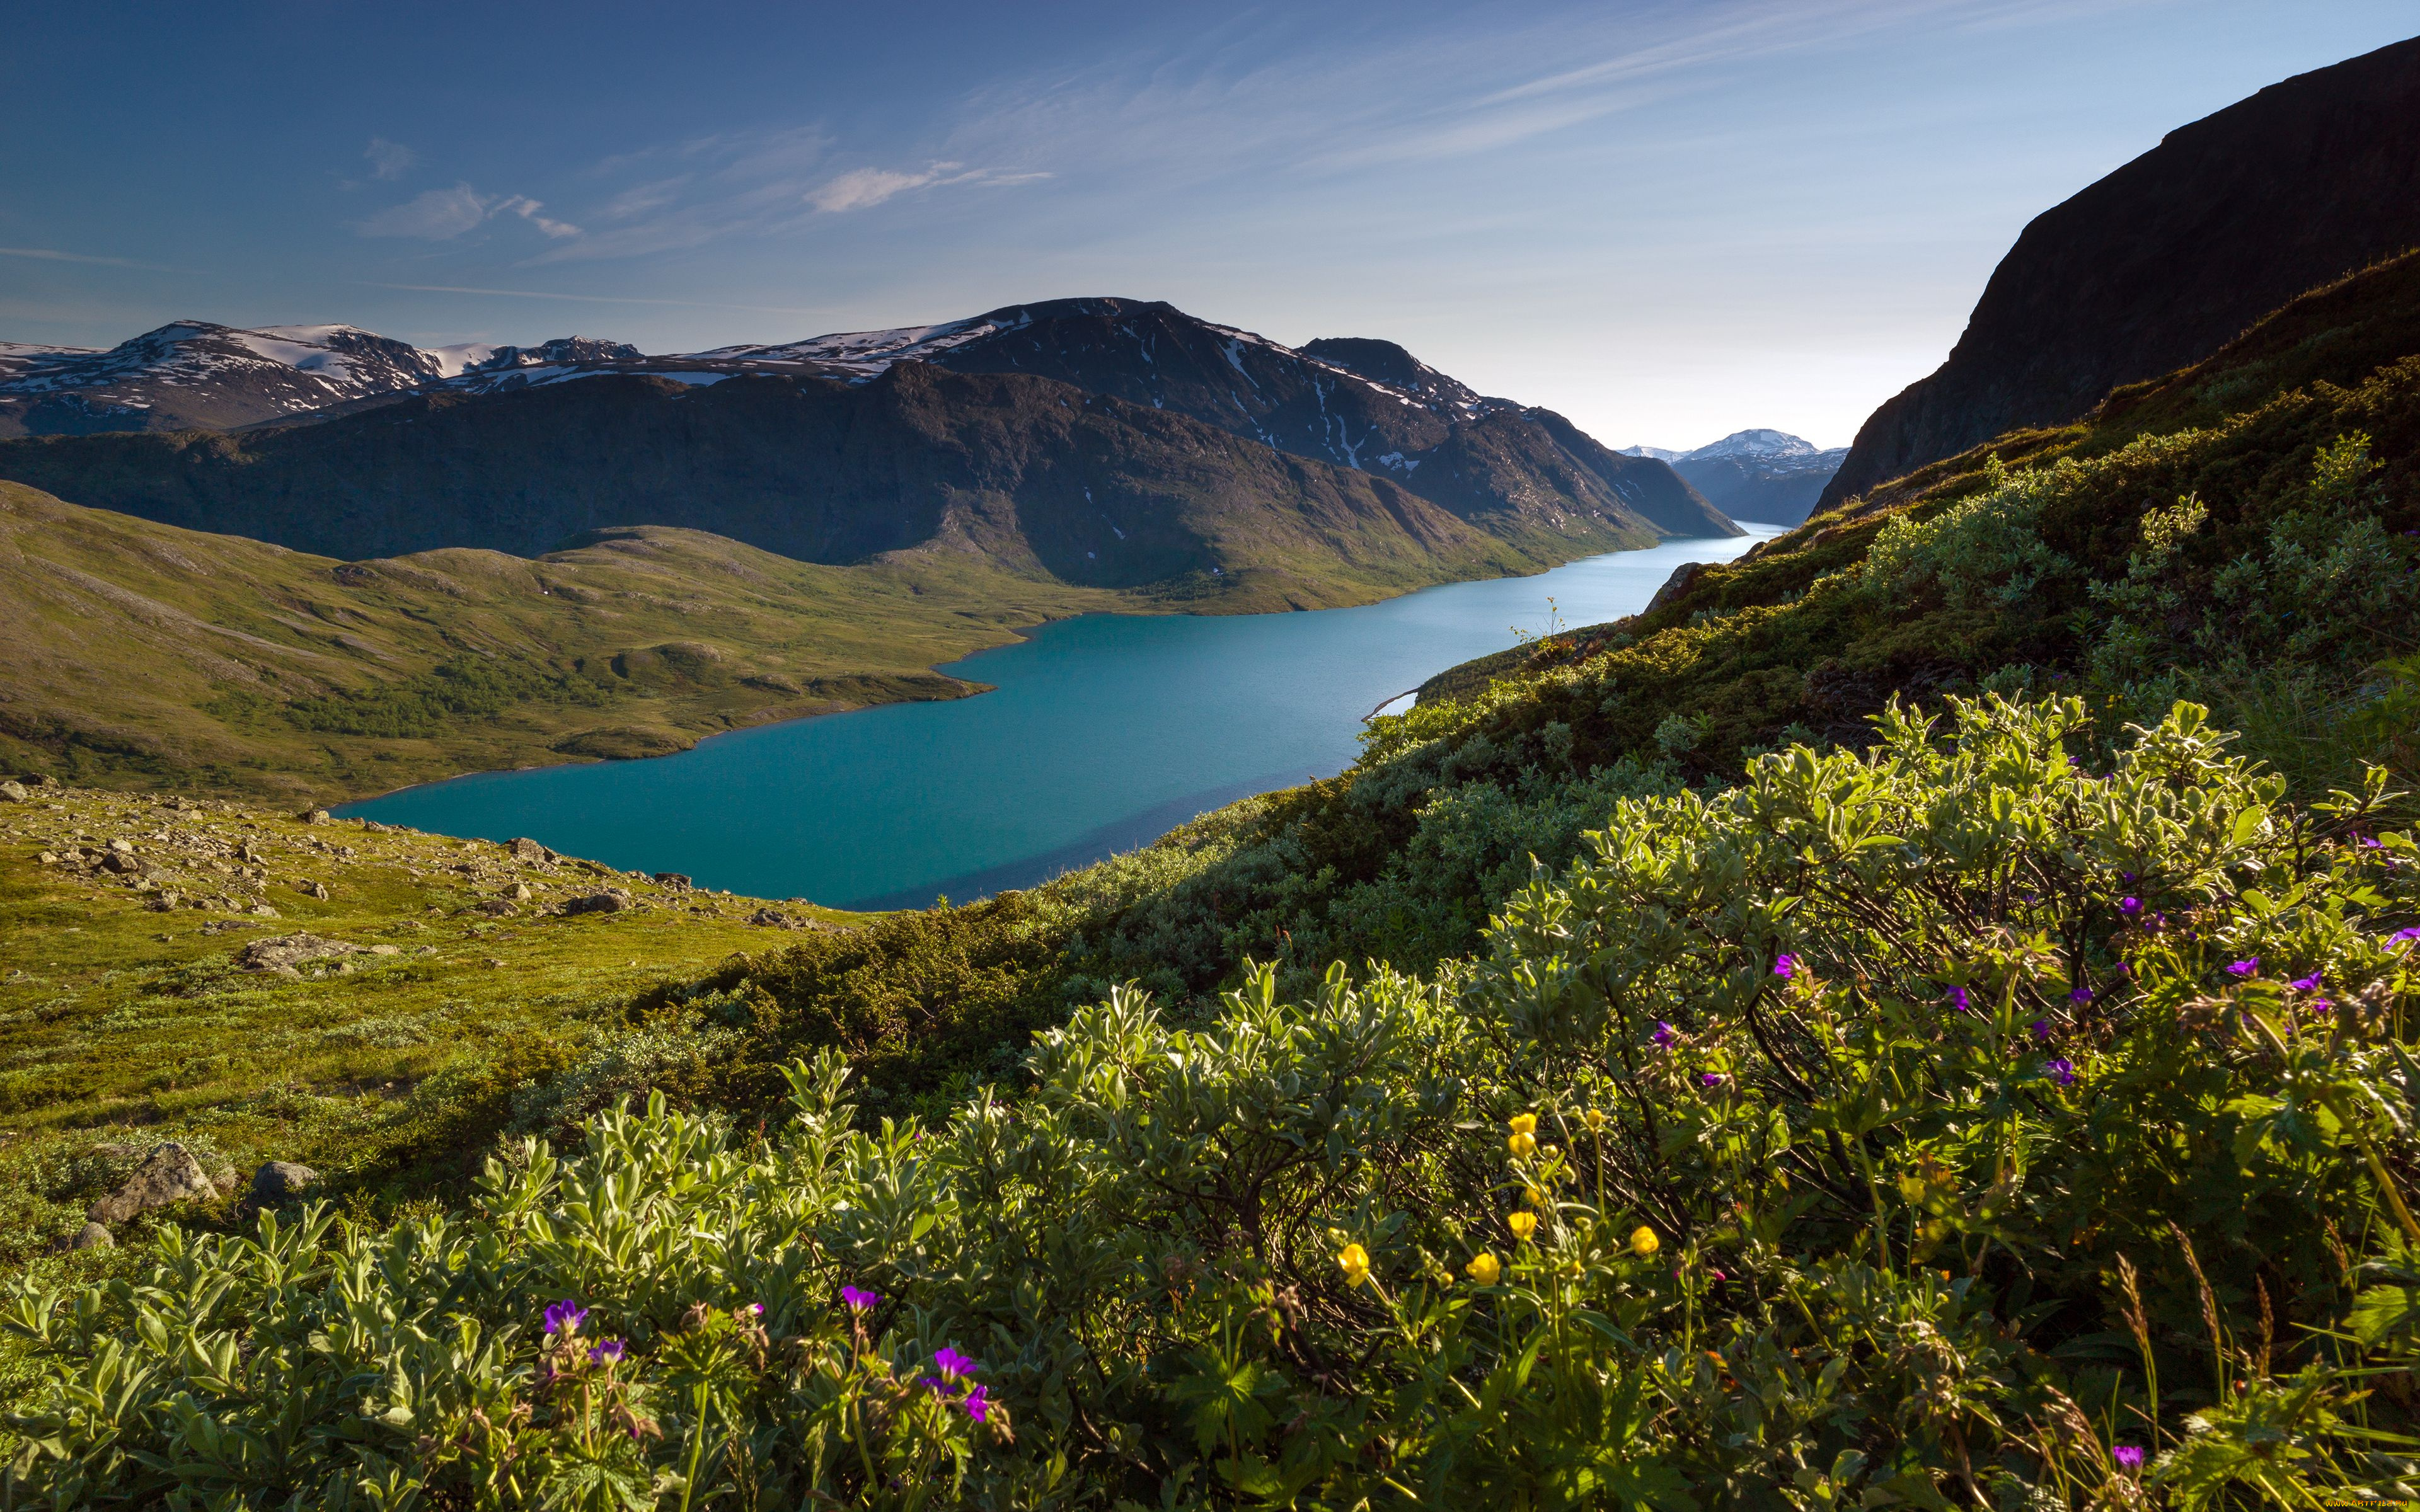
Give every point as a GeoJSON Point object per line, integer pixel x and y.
{"type": "Point", "coordinates": [864, 188]}
{"type": "Point", "coordinates": [50, 255]}
{"type": "Point", "coordinates": [389, 159]}
{"type": "Point", "coordinates": [443, 214]}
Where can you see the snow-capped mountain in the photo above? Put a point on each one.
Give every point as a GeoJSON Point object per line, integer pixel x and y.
{"type": "Point", "coordinates": [1355, 401]}
{"type": "Point", "coordinates": [1770, 476]}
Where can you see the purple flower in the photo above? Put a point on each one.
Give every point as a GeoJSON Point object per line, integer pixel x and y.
{"type": "Point", "coordinates": [953, 1364]}
{"type": "Point", "coordinates": [2041, 1029]}
{"type": "Point", "coordinates": [2412, 934]}
{"type": "Point", "coordinates": [566, 1317]}
{"type": "Point", "coordinates": [934, 1383]}
{"type": "Point", "coordinates": [756, 1309]}
{"type": "Point", "coordinates": [2125, 970]}
{"type": "Point", "coordinates": [2080, 997]}
{"type": "Point", "coordinates": [607, 1353]}
{"type": "Point", "coordinates": [2367, 843]}
{"type": "Point", "coordinates": [1958, 1000]}
{"type": "Point", "coordinates": [1710, 1078]}
{"type": "Point", "coordinates": [1786, 967]}
{"type": "Point", "coordinates": [2061, 1071]}
{"type": "Point", "coordinates": [1663, 1035]}
{"type": "Point", "coordinates": [2128, 875]}
{"type": "Point", "coordinates": [976, 1404]}
{"type": "Point", "coordinates": [860, 1300]}
{"type": "Point", "coordinates": [2129, 1456]}
{"type": "Point", "coordinates": [2244, 968]}
{"type": "Point", "coordinates": [2306, 984]}
{"type": "Point", "coordinates": [2130, 906]}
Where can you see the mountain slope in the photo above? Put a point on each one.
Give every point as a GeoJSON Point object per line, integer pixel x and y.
{"type": "Point", "coordinates": [139, 654]}
{"type": "Point", "coordinates": [2165, 260]}
{"type": "Point", "coordinates": [1026, 473]}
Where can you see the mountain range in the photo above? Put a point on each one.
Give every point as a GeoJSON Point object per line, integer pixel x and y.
{"type": "Point", "coordinates": [1769, 476]}
{"type": "Point", "coordinates": [1102, 442]}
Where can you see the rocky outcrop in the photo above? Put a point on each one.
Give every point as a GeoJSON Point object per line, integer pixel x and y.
{"type": "Point", "coordinates": [2168, 258]}
{"type": "Point", "coordinates": [169, 1175]}
{"type": "Point", "coordinates": [279, 1179]}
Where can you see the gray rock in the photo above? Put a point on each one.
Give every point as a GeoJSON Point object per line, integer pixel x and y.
{"type": "Point", "coordinates": [121, 862]}
{"type": "Point", "coordinates": [314, 816]}
{"type": "Point", "coordinates": [313, 890]}
{"type": "Point", "coordinates": [518, 892]}
{"type": "Point", "coordinates": [278, 1179]}
{"type": "Point", "coordinates": [287, 951]}
{"type": "Point", "coordinates": [611, 901]}
{"type": "Point", "coordinates": [14, 792]}
{"type": "Point", "coordinates": [526, 849]}
{"type": "Point", "coordinates": [171, 1174]}
{"type": "Point", "coordinates": [672, 879]}
{"type": "Point", "coordinates": [92, 1236]}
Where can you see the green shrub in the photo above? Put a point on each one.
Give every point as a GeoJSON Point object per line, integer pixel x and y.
{"type": "Point", "coordinates": [1911, 1127]}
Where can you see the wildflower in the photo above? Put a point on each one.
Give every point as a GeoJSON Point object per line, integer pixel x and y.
{"type": "Point", "coordinates": [1716, 1272]}
{"type": "Point", "coordinates": [1534, 1197]}
{"type": "Point", "coordinates": [2130, 906]}
{"type": "Point", "coordinates": [977, 1403]}
{"type": "Point", "coordinates": [1710, 1078]}
{"type": "Point", "coordinates": [2306, 984]}
{"type": "Point", "coordinates": [1643, 1242]}
{"type": "Point", "coordinates": [2244, 968]}
{"type": "Point", "coordinates": [756, 1309]}
{"type": "Point", "coordinates": [2080, 997]}
{"type": "Point", "coordinates": [1354, 1261]}
{"type": "Point", "coordinates": [1484, 1268]}
{"type": "Point", "coordinates": [2061, 1071]}
{"type": "Point", "coordinates": [2402, 934]}
{"type": "Point", "coordinates": [1521, 1123]}
{"type": "Point", "coordinates": [609, 1352]}
{"type": "Point", "coordinates": [2371, 843]}
{"type": "Point", "coordinates": [1593, 1118]}
{"type": "Point", "coordinates": [1663, 1035]}
{"type": "Point", "coordinates": [2041, 1029]}
{"type": "Point", "coordinates": [2128, 1457]}
{"type": "Point", "coordinates": [953, 1364]}
{"type": "Point", "coordinates": [566, 1317]}
{"type": "Point", "coordinates": [1522, 1224]}
{"type": "Point", "coordinates": [1958, 1000]}
{"type": "Point", "coordinates": [859, 1299]}
{"type": "Point", "coordinates": [1786, 967]}
{"type": "Point", "coordinates": [2129, 876]}
{"type": "Point", "coordinates": [1521, 1146]}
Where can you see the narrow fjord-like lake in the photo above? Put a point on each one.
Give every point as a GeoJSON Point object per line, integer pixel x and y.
{"type": "Point", "coordinates": [1105, 732]}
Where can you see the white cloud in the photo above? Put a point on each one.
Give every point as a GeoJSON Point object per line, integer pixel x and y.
{"type": "Point", "coordinates": [864, 188]}
{"type": "Point", "coordinates": [389, 159]}
{"type": "Point", "coordinates": [443, 214]}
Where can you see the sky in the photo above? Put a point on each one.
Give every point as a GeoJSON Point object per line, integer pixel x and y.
{"type": "Point", "coordinates": [1667, 221]}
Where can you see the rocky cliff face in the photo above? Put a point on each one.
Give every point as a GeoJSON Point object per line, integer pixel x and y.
{"type": "Point", "coordinates": [2165, 260]}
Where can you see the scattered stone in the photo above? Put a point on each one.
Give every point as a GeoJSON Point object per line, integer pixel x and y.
{"type": "Point", "coordinates": [263, 911]}
{"type": "Point", "coordinates": [50, 858]}
{"type": "Point", "coordinates": [672, 879]}
{"type": "Point", "coordinates": [492, 961]}
{"type": "Point", "coordinates": [121, 847]}
{"type": "Point", "coordinates": [171, 1174]}
{"type": "Point", "coordinates": [122, 862]}
{"type": "Point", "coordinates": [770, 919]}
{"type": "Point", "coordinates": [92, 1236]}
{"type": "Point", "coordinates": [518, 892]}
{"type": "Point", "coordinates": [611, 901]}
{"type": "Point", "coordinates": [498, 908]}
{"type": "Point", "coordinates": [287, 951]}
{"type": "Point", "coordinates": [313, 890]}
{"type": "Point", "coordinates": [14, 792]}
{"type": "Point", "coordinates": [386, 949]}
{"type": "Point", "coordinates": [526, 849]}
{"type": "Point", "coordinates": [278, 1179]}
{"type": "Point", "coordinates": [315, 816]}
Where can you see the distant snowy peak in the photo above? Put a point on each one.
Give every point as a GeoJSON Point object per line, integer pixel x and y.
{"type": "Point", "coordinates": [197, 373]}
{"type": "Point", "coordinates": [1763, 444]}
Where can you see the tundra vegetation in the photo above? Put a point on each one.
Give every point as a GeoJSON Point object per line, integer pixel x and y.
{"type": "Point", "coordinates": [1921, 1017]}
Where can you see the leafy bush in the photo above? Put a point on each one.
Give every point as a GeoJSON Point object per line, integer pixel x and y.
{"type": "Point", "coordinates": [1937, 1123]}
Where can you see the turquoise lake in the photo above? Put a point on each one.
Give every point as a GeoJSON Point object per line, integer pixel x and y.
{"type": "Point", "coordinates": [1105, 732]}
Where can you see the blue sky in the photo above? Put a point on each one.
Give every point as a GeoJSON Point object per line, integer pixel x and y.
{"type": "Point", "coordinates": [1667, 221]}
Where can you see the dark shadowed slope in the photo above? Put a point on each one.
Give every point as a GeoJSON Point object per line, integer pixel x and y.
{"type": "Point", "coordinates": [2164, 262]}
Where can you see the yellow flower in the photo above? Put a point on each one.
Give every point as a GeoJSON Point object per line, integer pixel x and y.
{"type": "Point", "coordinates": [1355, 1261]}
{"type": "Point", "coordinates": [1523, 1123]}
{"type": "Point", "coordinates": [1643, 1242]}
{"type": "Point", "coordinates": [1534, 1197]}
{"type": "Point", "coordinates": [1522, 1224]}
{"type": "Point", "coordinates": [1523, 1146]}
{"type": "Point", "coordinates": [1485, 1268]}
{"type": "Point", "coordinates": [1593, 1118]}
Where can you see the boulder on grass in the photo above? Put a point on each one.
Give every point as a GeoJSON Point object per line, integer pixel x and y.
{"type": "Point", "coordinates": [92, 1236]}
{"type": "Point", "coordinates": [170, 1174]}
{"type": "Point", "coordinates": [611, 901]}
{"type": "Point", "coordinates": [279, 1179]}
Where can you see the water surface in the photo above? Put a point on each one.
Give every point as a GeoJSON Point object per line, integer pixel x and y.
{"type": "Point", "coordinates": [1105, 732]}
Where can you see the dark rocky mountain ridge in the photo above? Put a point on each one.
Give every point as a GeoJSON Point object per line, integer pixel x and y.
{"type": "Point", "coordinates": [2165, 260]}
{"type": "Point", "coordinates": [1027, 472]}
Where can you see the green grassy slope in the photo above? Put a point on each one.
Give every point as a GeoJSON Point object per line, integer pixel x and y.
{"type": "Point", "coordinates": [140, 654]}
